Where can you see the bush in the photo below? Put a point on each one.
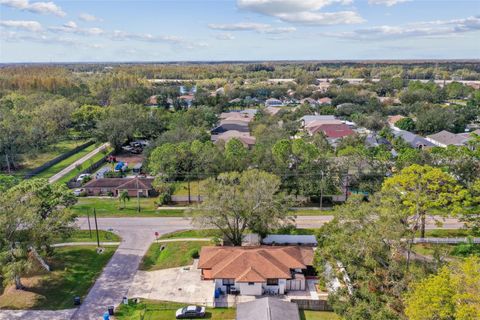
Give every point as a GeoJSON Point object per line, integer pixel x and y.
{"type": "Point", "coordinates": [113, 174]}
{"type": "Point", "coordinates": [194, 254]}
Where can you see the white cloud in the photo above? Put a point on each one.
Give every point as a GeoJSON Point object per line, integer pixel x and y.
{"type": "Point", "coordinates": [387, 3]}
{"type": "Point", "coordinates": [46, 39]}
{"type": "Point", "coordinates": [36, 7]}
{"type": "Point", "coordinates": [118, 35]}
{"type": "Point", "coordinates": [33, 26]}
{"type": "Point", "coordinates": [302, 12]}
{"type": "Point", "coordinates": [251, 26]}
{"type": "Point", "coordinates": [439, 28]}
{"type": "Point", "coordinates": [88, 17]}
{"type": "Point", "coordinates": [225, 36]}
{"type": "Point", "coordinates": [72, 27]}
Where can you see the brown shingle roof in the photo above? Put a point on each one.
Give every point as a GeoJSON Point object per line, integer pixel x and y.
{"type": "Point", "coordinates": [259, 263]}
{"type": "Point", "coordinates": [121, 183]}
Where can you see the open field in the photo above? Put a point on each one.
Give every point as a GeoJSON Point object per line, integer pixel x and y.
{"type": "Point", "coordinates": [174, 254]}
{"type": "Point", "coordinates": [84, 236]}
{"type": "Point", "coordinates": [74, 270]}
{"type": "Point", "coordinates": [47, 173]}
{"type": "Point", "coordinates": [51, 152]}
{"type": "Point", "coordinates": [205, 233]}
{"type": "Point", "coordinates": [110, 207]}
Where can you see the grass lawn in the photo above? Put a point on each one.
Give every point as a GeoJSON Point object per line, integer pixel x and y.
{"type": "Point", "coordinates": [110, 207]}
{"type": "Point", "coordinates": [51, 152]}
{"type": "Point", "coordinates": [204, 233]}
{"type": "Point", "coordinates": [181, 188]}
{"type": "Point", "coordinates": [74, 270]}
{"type": "Point", "coordinates": [160, 310]}
{"type": "Point", "coordinates": [99, 156]}
{"type": "Point", "coordinates": [311, 212]}
{"type": "Point", "coordinates": [175, 254]}
{"type": "Point", "coordinates": [84, 236]}
{"type": "Point", "coordinates": [445, 233]}
{"type": "Point", "coordinates": [317, 315]}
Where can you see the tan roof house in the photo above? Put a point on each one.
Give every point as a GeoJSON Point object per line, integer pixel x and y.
{"type": "Point", "coordinates": [245, 137]}
{"type": "Point", "coordinates": [134, 186]}
{"type": "Point", "coordinates": [255, 270]}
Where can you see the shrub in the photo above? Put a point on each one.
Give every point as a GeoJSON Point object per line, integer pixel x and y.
{"type": "Point", "coordinates": [194, 254]}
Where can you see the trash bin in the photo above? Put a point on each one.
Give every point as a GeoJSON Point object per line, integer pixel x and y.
{"type": "Point", "coordinates": [106, 316]}
{"type": "Point", "coordinates": [125, 300]}
{"type": "Point", "coordinates": [76, 301]}
{"type": "Point", "coordinates": [110, 310]}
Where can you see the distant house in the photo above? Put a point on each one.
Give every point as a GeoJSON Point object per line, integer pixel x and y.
{"type": "Point", "coordinates": [315, 126]}
{"type": "Point", "coordinates": [309, 101]}
{"type": "Point", "coordinates": [394, 119]}
{"type": "Point", "coordinates": [188, 99]}
{"type": "Point", "coordinates": [152, 101]}
{"type": "Point", "coordinates": [267, 309]}
{"type": "Point", "coordinates": [335, 131]}
{"type": "Point", "coordinates": [412, 139]}
{"type": "Point", "coordinates": [324, 101]}
{"type": "Point", "coordinates": [445, 138]}
{"type": "Point", "coordinates": [113, 186]}
{"type": "Point", "coordinates": [256, 270]}
{"type": "Point", "coordinates": [307, 119]}
{"type": "Point", "coordinates": [272, 110]}
{"type": "Point", "coordinates": [227, 125]}
{"type": "Point", "coordinates": [273, 103]}
{"type": "Point", "coordinates": [247, 140]}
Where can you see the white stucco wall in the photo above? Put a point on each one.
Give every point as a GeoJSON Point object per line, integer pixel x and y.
{"type": "Point", "coordinates": [249, 290]}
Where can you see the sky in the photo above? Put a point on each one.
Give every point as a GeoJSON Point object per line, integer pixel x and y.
{"type": "Point", "coordinates": [222, 30]}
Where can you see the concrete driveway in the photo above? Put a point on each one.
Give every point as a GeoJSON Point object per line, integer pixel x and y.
{"type": "Point", "coordinates": [182, 284]}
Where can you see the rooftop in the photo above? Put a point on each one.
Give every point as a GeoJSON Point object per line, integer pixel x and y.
{"type": "Point", "coordinates": [268, 309]}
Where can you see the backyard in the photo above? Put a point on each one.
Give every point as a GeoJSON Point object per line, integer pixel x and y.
{"type": "Point", "coordinates": [74, 270]}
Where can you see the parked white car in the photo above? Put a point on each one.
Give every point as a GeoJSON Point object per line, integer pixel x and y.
{"type": "Point", "coordinates": [82, 176]}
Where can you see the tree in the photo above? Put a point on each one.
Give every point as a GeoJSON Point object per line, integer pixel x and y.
{"type": "Point", "coordinates": [86, 117]}
{"type": "Point", "coordinates": [123, 197]}
{"type": "Point", "coordinates": [405, 124]}
{"type": "Point", "coordinates": [32, 215]}
{"type": "Point", "coordinates": [236, 155]}
{"type": "Point", "coordinates": [366, 238]}
{"type": "Point", "coordinates": [423, 190]}
{"type": "Point", "coordinates": [236, 201]}
{"type": "Point", "coordinates": [452, 293]}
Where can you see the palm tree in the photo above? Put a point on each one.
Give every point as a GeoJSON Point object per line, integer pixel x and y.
{"type": "Point", "coordinates": [123, 197]}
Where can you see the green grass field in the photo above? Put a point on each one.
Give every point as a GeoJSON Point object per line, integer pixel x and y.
{"type": "Point", "coordinates": [175, 254]}
{"type": "Point", "coordinates": [74, 270]}
{"type": "Point", "coordinates": [49, 153]}
{"type": "Point", "coordinates": [205, 233]}
{"type": "Point", "coordinates": [317, 315]}
{"type": "Point", "coordinates": [84, 236]}
{"type": "Point", "coordinates": [110, 207]}
{"type": "Point", "coordinates": [99, 156]}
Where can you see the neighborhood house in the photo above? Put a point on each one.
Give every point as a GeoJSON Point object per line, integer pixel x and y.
{"type": "Point", "coordinates": [113, 186]}
{"type": "Point", "coordinates": [256, 270]}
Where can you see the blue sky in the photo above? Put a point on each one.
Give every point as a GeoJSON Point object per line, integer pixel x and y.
{"type": "Point", "coordinates": [163, 30]}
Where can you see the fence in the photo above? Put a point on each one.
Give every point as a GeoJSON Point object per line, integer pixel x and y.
{"type": "Point", "coordinates": [446, 240]}
{"type": "Point", "coordinates": [52, 162]}
{"type": "Point", "coordinates": [315, 305]}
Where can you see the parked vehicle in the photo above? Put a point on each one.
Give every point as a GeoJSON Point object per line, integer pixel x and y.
{"type": "Point", "coordinates": [78, 192]}
{"type": "Point", "coordinates": [190, 312]}
{"type": "Point", "coordinates": [82, 177]}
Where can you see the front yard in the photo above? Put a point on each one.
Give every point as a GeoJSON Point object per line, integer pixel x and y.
{"type": "Point", "coordinates": [74, 270]}
{"type": "Point", "coordinates": [161, 310]}
{"type": "Point", "coordinates": [110, 207]}
{"type": "Point", "coordinates": [174, 254]}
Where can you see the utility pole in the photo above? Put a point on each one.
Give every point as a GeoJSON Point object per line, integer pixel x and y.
{"type": "Point", "coordinates": [138, 198]}
{"type": "Point", "coordinates": [89, 226]}
{"type": "Point", "coordinates": [96, 226]}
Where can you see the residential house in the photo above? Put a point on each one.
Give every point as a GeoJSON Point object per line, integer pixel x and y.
{"type": "Point", "coordinates": [254, 271]}
{"type": "Point", "coordinates": [415, 141]}
{"type": "Point", "coordinates": [267, 309]}
{"type": "Point", "coordinates": [152, 101]}
{"type": "Point", "coordinates": [335, 131]}
{"type": "Point", "coordinates": [272, 102]}
{"type": "Point", "coordinates": [247, 140]}
{"type": "Point", "coordinates": [307, 119]}
{"type": "Point", "coordinates": [445, 138]}
{"type": "Point", "coordinates": [309, 101]}
{"type": "Point", "coordinates": [188, 99]}
{"type": "Point", "coordinates": [314, 126]}
{"type": "Point", "coordinates": [272, 110]}
{"type": "Point", "coordinates": [114, 186]}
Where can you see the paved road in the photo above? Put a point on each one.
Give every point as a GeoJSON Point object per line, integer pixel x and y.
{"type": "Point", "coordinates": [76, 163]}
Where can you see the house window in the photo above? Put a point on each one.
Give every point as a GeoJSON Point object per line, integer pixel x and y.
{"type": "Point", "coordinates": [272, 282]}
{"type": "Point", "coordinates": [251, 283]}
{"type": "Point", "coordinates": [228, 282]}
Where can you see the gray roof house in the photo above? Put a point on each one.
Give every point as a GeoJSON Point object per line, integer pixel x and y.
{"type": "Point", "coordinates": [412, 139]}
{"type": "Point", "coordinates": [445, 138]}
{"type": "Point", "coordinates": [307, 119]}
{"type": "Point", "coordinates": [267, 309]}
